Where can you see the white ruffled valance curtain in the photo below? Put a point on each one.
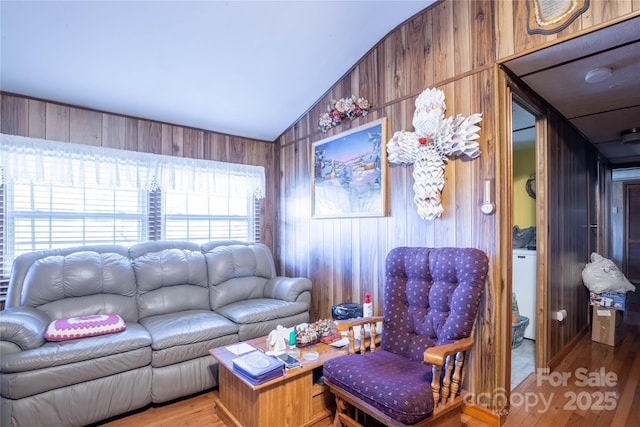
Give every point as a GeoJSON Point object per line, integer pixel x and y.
{"type": "Point", "coordinates": [32, 160]}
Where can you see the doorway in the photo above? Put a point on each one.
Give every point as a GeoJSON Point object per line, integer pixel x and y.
{"type": "Point", "coordinates": [524, 259]}
{"type": "Point", "coordinates": [632, 235]}
{"type": "Point", "coordinates": [523, 120]}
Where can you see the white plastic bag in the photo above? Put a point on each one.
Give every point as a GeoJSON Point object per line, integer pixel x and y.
{"type": "Point", "coordinates": [602, 275]}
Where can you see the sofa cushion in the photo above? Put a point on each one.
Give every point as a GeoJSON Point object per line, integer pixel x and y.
{"type": "Point", "coordinates": [80, 284]}
{"type": "Point", "coordinates": [78, 350]}
{"type": "Point", "coordinates": [186, 335]}
{"type": "Point", "coordinates": [397, 386]}
{"type": "Point", "coordinates": [261, 310]}
{"type": "Point", "coordinates": [81, 404]}
{"type": "Point", "coordinates": [238, 272]}
{"type": "Point", "coordinates": [61, 364]}
{"type": "Point", "coordinates": [187, 352]}
{"type": "Point", "coordinates": [235, 290]}
{"type": "Point", "coordinates": [23, 263]}
{"type": "Point", "coordinates": [171, 281]}
{"type": "Point", "coordinates": [183, 379]}
{"type": "Point", "coordinates": [187, 327]}
{"type": "Point", "coordinates": [28, 383]}
{"type": "Point", "coordinates": [240, 260]}
{"type": "Point", "coordinates": [83, 326]}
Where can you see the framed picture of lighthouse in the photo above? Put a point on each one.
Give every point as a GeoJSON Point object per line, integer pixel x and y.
{"type": "Point", "coordinates": [349, 176]}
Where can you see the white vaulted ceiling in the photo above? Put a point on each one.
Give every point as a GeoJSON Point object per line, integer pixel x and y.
{"type": "Point", "coordinates": [253, 68]}
{"type": "Point", "coordinates": [246, 68]}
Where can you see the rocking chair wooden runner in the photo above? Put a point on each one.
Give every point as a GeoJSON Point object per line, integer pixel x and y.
{"type": "Point", "coordinates": [411, 374]}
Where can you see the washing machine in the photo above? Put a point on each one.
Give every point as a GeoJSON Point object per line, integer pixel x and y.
{"type": "Point", "coordinates": [524, 286]}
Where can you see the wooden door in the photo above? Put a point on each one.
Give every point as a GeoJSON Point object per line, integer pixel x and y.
{"type": "Point", "coordinates": [593, 179]}
{"type": "Point", "coordinates": [632, 236]}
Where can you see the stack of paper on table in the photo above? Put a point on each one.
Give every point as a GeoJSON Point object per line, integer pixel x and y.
{"type": "Point", "coordinates": [257, 367]}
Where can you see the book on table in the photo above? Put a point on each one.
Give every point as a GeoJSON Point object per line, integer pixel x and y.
{"type": "Point", "coordinates": [257, 367]}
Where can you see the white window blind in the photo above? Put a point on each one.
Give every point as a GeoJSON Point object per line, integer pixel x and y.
{"type": "Point", "coordinates": [200, 216]}
{"type": "Point", "coordinates": [58, 194]}
{"type": "Point", "coordinates": [44, 216]}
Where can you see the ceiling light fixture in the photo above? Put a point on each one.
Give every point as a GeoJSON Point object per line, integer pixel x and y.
{"type": "Point", "coordinates": [630, 136]}
{"type": "Point", "coordinates": [598, 75]}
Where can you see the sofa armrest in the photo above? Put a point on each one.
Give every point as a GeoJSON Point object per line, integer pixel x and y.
{"type": "Point", "coordinates": [23, 326]}
{"type": "Point", "coordinates": [287, 288]}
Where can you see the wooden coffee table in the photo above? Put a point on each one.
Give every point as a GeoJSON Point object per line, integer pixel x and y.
{"type": "Point", "coordinates": [297, 399]}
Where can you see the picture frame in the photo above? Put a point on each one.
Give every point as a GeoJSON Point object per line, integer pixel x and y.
{"type": "Point", "coordinates": [552, 16]}
{"type": "Point", "coordinates": [349, 173]}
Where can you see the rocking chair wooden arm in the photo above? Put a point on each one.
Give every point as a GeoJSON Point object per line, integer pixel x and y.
{"type": "Point", "coordinates": [448, 367]}
{"type": "Point", "coordinates": [344, 325]}
{"type": "Point", "coordinates": [438, 355]}
{"type": "Point", "coordinates": [369, 339]}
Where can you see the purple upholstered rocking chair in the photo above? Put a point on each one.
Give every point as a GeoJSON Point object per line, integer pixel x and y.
{"type": "Point", "coordinates": [412, 374]}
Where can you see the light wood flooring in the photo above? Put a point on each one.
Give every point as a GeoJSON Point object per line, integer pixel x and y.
{"type": "Point", "coordinates": [199, 411]}
{"type": "Point", "coordinates": [601, 388]}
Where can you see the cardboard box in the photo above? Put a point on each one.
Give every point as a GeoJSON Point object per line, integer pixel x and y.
{"type": "Point", "coordinates": [606, 327]}
{"type": "Point", "coordinates": [608, 300]}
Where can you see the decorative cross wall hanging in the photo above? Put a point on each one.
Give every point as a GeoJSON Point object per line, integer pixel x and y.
{"type": "Point", "coordinates": [434, 140]}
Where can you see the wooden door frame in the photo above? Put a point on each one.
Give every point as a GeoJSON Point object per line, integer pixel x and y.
{"type": "Point", "coordinates": [507, 90]}
{"type": "Point", "coordinates": [595, 195]}
{"type": "Point", "coordinates": [626, 187]}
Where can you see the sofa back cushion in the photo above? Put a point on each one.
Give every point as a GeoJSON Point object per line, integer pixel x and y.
{"type": "Point", "coordinates": [81, 283]}
{"type": "Point", "coordinates": [237, 271]}
{"type": "Point", "coordinates": [431, 297]}
{"type": "Point", "coordinates": [170, 278]}
{"type": "Point", "coordinates": [23, 263]}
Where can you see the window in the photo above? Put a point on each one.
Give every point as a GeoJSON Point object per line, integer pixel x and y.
{"type": "Point", "coordinates": [60, 194]}
{"type": "Point", "coordinates": [198, 216]}
{"type": "Point", "coordinates": [44, 216]}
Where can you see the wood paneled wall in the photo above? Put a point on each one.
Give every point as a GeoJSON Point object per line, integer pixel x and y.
{"type": "Point", "coordinates": [47, 120]}
{"type": "Point", "coordinates": [511, 35]}
{"type": "Point", "coordinates": [568, 232]}
{"type": "Point", "coordinates": [453, 45]}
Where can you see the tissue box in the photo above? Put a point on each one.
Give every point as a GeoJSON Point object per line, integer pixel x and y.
{"type": "Point", "coordinates": [606, 327]}
{"type": "Point", "coordinates": [608, 300]}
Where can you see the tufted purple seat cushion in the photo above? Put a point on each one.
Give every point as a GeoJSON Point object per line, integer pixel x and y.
{"type": "Point", "coordinates": [431, 297]}
{"type": "Point", "coordinates": [399, 387]}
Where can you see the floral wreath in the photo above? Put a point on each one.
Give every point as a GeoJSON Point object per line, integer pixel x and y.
{"type": "Point", "coordinates": [344, 108]}
{"type": "Point", "coordinates": [531, 186]}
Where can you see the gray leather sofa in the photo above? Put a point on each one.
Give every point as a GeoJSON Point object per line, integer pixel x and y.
{"type": "Point", "coordinates": [178, 299]}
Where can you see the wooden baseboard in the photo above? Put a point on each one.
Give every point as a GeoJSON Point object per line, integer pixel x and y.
{"type": "Point", "coordinates": [483, 414]}
{"type": "Point", "coordinates": [225, 416]}
{"type": "Point", "coordinates": [559, 357]}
